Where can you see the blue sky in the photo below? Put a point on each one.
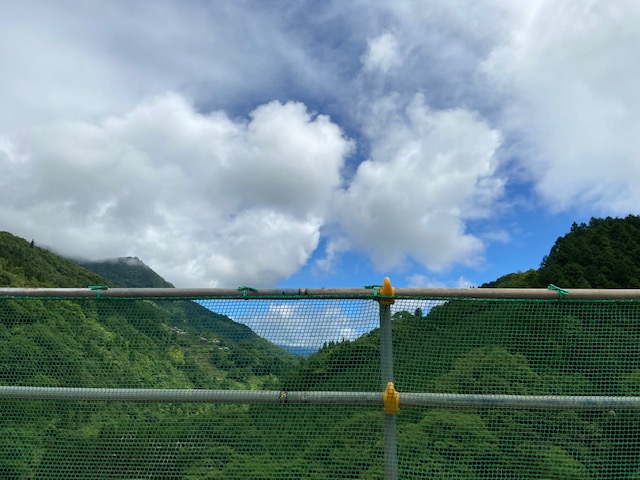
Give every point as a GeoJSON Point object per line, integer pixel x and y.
{"type": "Point", "coordinates": [309, 144]}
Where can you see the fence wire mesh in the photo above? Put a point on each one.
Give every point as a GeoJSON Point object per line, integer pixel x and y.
{"type": "Point", "coordinates": [299, 349]}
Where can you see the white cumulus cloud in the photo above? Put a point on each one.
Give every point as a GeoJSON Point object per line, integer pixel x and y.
{"type": "Point", "coordinates": [382, 53]}
{"type": "Point", "coordinates": [429, 172]}
{"type": "Point", "coordinates": [231, 180]}
{"type": "Point", "coordinates": [204, 199]}
{"type": "Point", "coordinates": [568, 79]}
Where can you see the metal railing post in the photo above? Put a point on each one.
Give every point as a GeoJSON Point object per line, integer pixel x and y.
{"type": "Point", "coordinates": [386, 364]}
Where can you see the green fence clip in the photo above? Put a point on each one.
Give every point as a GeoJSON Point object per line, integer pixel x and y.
{"type": "Point", "coordinates": [98, 289]}
{"type": "Point", "coordinates": [374, 288]}
{"type": "Point", "coordinates": [560, 291]}
{"type": "Point", "coordinates": [244, 291]}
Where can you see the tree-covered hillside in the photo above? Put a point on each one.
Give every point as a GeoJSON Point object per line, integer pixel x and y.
{"type": "Point", "coordinates": [232, 348]}
{"type": "Point", "coordinates": [498, 347]}
{"type": "Point", "coordinates": [250, 350]}
{"type": "Point", "coordinates": [513, 348]}
{"type": "Point", "coordinates": [109, 344]}
{"type": "Point", "coordinates": [603, 254]}
{"type": "Point", "coordinates": [24, 264]}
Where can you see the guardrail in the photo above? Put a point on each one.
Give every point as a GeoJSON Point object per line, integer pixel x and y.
{"type": "Point", "coordinates": [490, 365]}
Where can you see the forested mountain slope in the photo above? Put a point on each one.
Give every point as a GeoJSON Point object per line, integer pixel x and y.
{"type": "Point", "coordinates": [24, 264]}
{"type": "Point", "coordinates": [498, 347]}
{"type": "Point", "coordinates": [514, 348]}
{"type": "Point", "coordinates": [107, 344]}
{"type": "Point", "coordinates": [248, 349]}
{"type": "Point", "coordinates": [603, 254]}
{"type": "Point", "coordinates": [233, 351]}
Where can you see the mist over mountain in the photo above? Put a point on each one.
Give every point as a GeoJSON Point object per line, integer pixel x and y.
{"type": "Point", "coordinates": [127, 272]}
{"type": "Point", "coordinates": [25, 264]}
{"type": "Point", "coordinates": [214, 348]}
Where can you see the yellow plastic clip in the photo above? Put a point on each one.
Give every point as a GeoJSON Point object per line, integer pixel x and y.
{"type": "Point", "coordinates": [387, 291]}
{"type": "Point", "coordinates": [391, 400]}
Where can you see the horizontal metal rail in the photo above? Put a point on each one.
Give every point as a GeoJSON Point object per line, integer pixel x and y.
{"type": "Point", "coordinates": [273, 397]}
{"type": "Point", "coordinates": [276, 397]}
{"type": "Point", "coordinates": [336, 293]}
{"type": "Point", "coordinates": [573, 402]}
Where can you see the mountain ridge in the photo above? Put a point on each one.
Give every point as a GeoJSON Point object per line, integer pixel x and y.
{"type": "Point", "coordinates": [23, 264]}
{"type": "Point", "coordinates": [126, 272]}
{"type": "Point", "coordinates": [605, 253]}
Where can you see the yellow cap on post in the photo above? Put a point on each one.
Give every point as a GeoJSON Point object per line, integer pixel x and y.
{"type": "Point", "coordinates": [387, 291]}
{"type": "Point", "coordinates": [391, 400]}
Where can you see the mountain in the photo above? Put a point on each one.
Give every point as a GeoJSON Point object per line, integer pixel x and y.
{"type": "Point", "coordinates": [126, 272]}
{"type": "Point", "coordinates": [492, 347]}
{"type": "Point", "coordinates": [481, 347]}
{"type": "Point", "coordinates": [605, 253]}
{"type": "Point", "coordinates": [191, 317]}
{"type": "Point", "coordinates": [213, 347]}
{"type": "Point", "coordinates": [112, 344]}
{"type": "Point", "coordinates": [463, 346]}
{"type": "Point", "coordinates": [24, 264]}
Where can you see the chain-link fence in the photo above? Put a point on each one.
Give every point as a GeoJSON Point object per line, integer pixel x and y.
{"type": "Point", "coordinates": [125, 384]}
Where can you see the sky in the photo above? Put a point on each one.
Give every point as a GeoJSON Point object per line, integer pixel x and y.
{"type": "Point", "coordinates": [301, 143]}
